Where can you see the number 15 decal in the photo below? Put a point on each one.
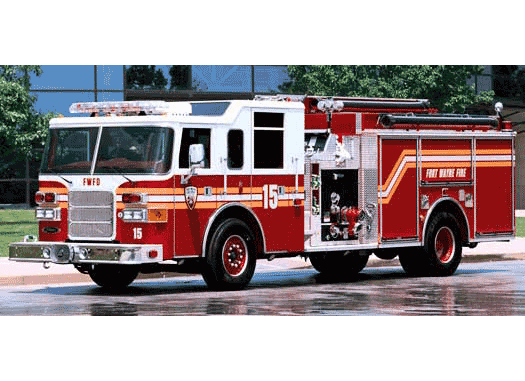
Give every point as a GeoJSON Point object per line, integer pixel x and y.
{"type": "Point", "coordinates": [270, 196]}
{"type": "Point", "coordinates": [137, 233]}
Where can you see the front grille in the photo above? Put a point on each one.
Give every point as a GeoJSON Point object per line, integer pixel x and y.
{"type": "Point", "coordinates": [90, 215]}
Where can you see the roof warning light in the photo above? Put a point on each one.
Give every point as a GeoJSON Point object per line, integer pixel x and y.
{"type": "Point", "coordinates": [132, 108]}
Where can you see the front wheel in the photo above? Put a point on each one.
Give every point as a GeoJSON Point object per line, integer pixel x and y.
{"type": "Point", "coordinates": [231, 256]}
{"type": "Point", "coordinates": [113, 277]}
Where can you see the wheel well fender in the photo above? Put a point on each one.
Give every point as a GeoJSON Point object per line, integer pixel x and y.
{"type": "Point", "coordinates": [449, 205]}
{"type": "Point", "coordinates": [240, 212]}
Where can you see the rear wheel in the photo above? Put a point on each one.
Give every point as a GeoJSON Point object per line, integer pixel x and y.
{"type": "Point", "coordinates": [113, 277]}
{"type": "Point", "coordinates": [441, 254]}
{"type": "Point", "coordinates": [231, 256]}
{"type": "Point", "coordinates": [339, 264]}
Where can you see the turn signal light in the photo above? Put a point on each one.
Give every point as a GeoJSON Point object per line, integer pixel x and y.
{"type": "Point", "coordinates": [153, 254]}
{"type": "Point", "coordinates": [39, 198]}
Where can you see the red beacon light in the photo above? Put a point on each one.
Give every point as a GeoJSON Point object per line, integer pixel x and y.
{"type": "Point", "coordinates": [50, 198]}
{"type": "Point", "coordinates": [42, 197]}
{"type": "Point", "coordinates": [133, 198]}
{"type": "Point", "coordinates": [39, 197]}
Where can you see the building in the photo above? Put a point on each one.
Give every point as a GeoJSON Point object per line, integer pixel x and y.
{"type": "Point", "coordinates": [59, 86]}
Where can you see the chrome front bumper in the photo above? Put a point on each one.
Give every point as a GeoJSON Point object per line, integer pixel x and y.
{"type": "Point", "coordinates": [77, 253]}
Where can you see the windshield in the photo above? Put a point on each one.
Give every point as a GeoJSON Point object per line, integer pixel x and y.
{"type": "Point", "coordinates": [139, 149]}
{"type": "Point", "coordinates": [69, 150]}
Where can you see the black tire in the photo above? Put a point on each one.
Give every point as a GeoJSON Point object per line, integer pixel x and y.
{"type": "Point", "coordinates": [338, 264]}
{"type": "Point", "coordinates": [413, 261]}
{"type": "Point", "coordinates": [113, 277]}
{"type": "Point", "coordinates": [231, 256]}
{"type": "Point", "coordinates": [442, 250]}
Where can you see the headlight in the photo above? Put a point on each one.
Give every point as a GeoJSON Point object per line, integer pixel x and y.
{"type": "Point", "coordinates": [134, 215]}
{"type": "Point", "coordinates": [138, 215]}
{"type": "Point", "coordinates": [48, 214]}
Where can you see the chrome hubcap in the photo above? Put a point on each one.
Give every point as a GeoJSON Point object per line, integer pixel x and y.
{"type": "Point", "coordinates": [235, 255]}
{"type": "Point", "coordinates": [444, 244]}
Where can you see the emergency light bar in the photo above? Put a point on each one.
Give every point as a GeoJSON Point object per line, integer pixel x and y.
{"type": "Point", "coordinates": [132, 107]}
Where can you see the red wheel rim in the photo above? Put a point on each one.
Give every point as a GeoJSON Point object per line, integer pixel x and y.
{"type": "Point", "coordinates": [234, 255]}
{"type": "Point", "coordinates": [445, 244]}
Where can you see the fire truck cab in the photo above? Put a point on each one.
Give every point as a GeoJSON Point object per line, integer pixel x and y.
{"type": "Point", "coordinates": [210, 187]}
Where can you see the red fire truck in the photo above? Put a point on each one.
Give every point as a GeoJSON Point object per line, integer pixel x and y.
{"type": "Point", "coordinates": [210, 187]}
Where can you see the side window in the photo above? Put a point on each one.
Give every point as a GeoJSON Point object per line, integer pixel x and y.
{"type": "Point", "coordinates": [268, 138]}
{"type": "Point", "coordinates": [194, 136]}
{"type": "Point", "coordinates": [235, 149]}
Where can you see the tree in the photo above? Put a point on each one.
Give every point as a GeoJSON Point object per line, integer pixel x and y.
{"type": "Point", "coordinates": [145, 77]}
{"type": "Point", "coordinates": [180, 77]}
{"type": "Point", "coordinates": [22, 128]}
{"type": "Point", "coordinates": [445, 86]}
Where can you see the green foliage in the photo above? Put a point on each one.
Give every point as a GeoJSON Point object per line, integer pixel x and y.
{"type": "Point", "coordinates": [445, 85]}
{"type": "Point", "coordinates": [145, 77]}
{"type": "Point", "coordinates": [148, 77]}
{"type": "Point", "coordinates": [22, 129]}
{"type": "Point", "coordinates": [180, 77]}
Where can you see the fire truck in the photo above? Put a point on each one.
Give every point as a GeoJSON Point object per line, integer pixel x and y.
{"type": "Point", "coordinates": [211, 187]}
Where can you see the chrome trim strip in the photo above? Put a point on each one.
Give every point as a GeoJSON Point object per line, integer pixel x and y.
{"type": "Point", "coordinates": [473, 175]}
{"type": "Point", "coordinates": [446, 183]}
{"type": "Point", "coordinates": [95, 154]}
{"type": "Point", "coordinates": [503, 237]}
{"type": "Point", "coordinates": [313, 249]}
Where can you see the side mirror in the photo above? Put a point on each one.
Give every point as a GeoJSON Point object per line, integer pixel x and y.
{"type": "Point", "coordinates": [196, 160]}
{"type": "Point", "coordinates": [196, 156]}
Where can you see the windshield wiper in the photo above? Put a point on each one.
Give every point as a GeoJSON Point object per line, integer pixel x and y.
{"type": "Point", "coordinates": [118, 170]}
{"type": "Point", "coordinates": [59, 175]}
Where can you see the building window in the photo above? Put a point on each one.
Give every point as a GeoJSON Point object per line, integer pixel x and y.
{"type": "Point", "coordinates": [509, 81]}
{"type": "Point", "coordinates": [235, 149]}
{"type": "Point", "coordinates": [194, 136]}
{"type": "Point", "coordinates": [230, 78]}
{"type": "Point", "coordinates": [269, 78]}
{"type": "Point", "coordinates": [110, 77]}
{"type": "Point", "coordinates": [268, 139]}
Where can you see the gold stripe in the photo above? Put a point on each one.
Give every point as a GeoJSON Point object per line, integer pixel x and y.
{"type": "Point", "coordinates": [486, 164]}
{"type": "Point", "coordinates": [54, 190]}
{"type": "Point", "coordinates": [493, 151]}
{"type": "Point", "coordinates": [180, 191]}
{"type": "Point", "coordinates": [152, 191]}
{"type": "Point", "coordinates": [483, 164]}
{"type": "Point", "coordinates": [446, 152]}
{"type": "Point", "coordinates": [456, 164]}
{"type": "Point", "coordinates": [401, 175]}
{"type": "Point", "coordinates": [405, 152]}
{"type": "Point", "coordinates": [149, 205]}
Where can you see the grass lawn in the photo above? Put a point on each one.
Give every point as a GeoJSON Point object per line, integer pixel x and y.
{"type": "Point", "coordinates": [520, 226]}
{"type": "Point", "coordinates": [15, 224]}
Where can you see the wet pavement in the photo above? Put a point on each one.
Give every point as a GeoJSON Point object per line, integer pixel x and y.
{"type": "Point", "coordinates": [477, 289]}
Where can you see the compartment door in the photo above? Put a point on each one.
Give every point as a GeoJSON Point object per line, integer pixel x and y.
{"type": "Point", "coordinates": [398, 196]}
{"type": "Point", "coordinates": [494, 186]}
